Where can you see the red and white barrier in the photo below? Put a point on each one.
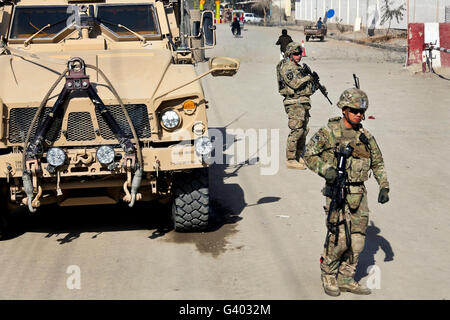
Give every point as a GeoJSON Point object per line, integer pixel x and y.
{"type": "Point", "coordinates": [436, 33]}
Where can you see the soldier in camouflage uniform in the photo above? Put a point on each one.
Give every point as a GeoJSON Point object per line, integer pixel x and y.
{"type": "Point", "coordinates": [338, 262]}
{"type": "Point", "coordinates": [296, 89]}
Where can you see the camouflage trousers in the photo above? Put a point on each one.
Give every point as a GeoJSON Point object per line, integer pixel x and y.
{"type": "Point", "coordinates": [298, 117]}
{"type": "Point", "coordinates": [338, 259]}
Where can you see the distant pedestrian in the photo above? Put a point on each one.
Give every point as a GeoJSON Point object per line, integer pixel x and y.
{"type": "Point", "coordinates": [283, 41]}
{"type": "Point", "coordinates": [236, 27]}
{"type": "Point", "coordinates": [319, 23]}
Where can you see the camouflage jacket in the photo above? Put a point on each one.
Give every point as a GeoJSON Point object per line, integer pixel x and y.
{"type": "Point", "coordinates": [295, 87]}
{"type": "Point", "coordinates": [319, 155]}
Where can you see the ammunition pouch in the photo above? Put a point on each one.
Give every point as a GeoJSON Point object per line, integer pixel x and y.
{"type": "Point", "coordinates": [327, 191]}
{"type": "Point", "coordinates": [354, 200]}
{"type": "Point", "coordinates": [284, 89]}
{"type": "Point", "coordinates": [360, 150]}
{"type": "Point", "coordinates": [355, 195]}
{"type": "Point", "coordinates": [359, 170]}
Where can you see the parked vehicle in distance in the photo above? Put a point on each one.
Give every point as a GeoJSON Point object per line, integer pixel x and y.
{"type": "Point", "coordinates": [250, 17]}
{"type": "Point", "coordinates": [314, 32]}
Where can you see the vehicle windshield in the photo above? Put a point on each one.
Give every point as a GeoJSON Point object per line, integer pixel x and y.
{"type": "Point", "coordinates": [30, 19]}
{"type": "Point", "coordinates": [139, 18]}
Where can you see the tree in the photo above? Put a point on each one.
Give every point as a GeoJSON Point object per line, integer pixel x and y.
{"type": "Point", "coordinates": [390, 13]}
{"type": "Point", "coordinates": [263, 5]}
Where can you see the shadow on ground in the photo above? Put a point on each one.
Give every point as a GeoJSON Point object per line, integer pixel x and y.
{"type": "Point", "coordinates": [374, 242]}
{"type": "Point", "coordinates": [227, 202]}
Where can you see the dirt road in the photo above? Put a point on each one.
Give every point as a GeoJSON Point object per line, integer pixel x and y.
{"type": "Point", "coordinates": [268, 223]}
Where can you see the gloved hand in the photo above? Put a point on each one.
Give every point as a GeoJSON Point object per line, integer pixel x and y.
{"type": "Point", "coordinates": [383, 196]}
{"type": "Point", "coordinates": [330, 175]}
{"type": "Point", "coordinates": [309, 78]}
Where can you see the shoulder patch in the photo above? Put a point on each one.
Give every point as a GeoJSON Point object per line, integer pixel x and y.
{"type": "Point", "coordinates": [289, 75]}
{"type": "Point", "coordinates": [315, 138]}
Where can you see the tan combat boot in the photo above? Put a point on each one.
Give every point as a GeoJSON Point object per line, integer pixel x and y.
{"type": "Point", "coordinates": [330, 285]}
{"type": "Point", "coordinates": [294, 164]}
{"type": "Point", "coordinates": [350, 285]}
{"type": "Point", "coordinates": [346, 282]}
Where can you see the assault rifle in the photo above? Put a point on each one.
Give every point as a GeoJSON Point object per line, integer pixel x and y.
{"type": "Point", "coordinates": [338, 194]}
{"type": "Point", "coordinates": [356, 81]}
{"type": "Point", "coordinates": [307, 71]}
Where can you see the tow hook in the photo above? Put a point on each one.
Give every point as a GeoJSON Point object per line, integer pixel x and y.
{"type": "Point", "coordinates": [29, 189]}
{"type": "Point", "coordinates": [134, 184]}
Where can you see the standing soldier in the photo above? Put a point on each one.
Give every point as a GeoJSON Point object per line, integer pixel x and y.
{"type": "Point", "coordinates": [296, 89]}
{"type": "Point", "coordinates": [340, 257]}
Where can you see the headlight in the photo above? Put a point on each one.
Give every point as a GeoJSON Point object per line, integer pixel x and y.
{"type": "Point", "coordinates": [56, 157]}
{"type": "Point", "coordinates": [203, 146]}
{"type": "Point", "coordinates": [105, 155]}
{"type": "Point", "coordinates": [170, 119]}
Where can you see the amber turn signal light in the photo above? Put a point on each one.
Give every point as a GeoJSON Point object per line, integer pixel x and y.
{"type": "Point", "coordinates": [189, 105]}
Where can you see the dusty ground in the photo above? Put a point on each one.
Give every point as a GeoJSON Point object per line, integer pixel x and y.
{"type": "Point", "coordinates": [267, 230]}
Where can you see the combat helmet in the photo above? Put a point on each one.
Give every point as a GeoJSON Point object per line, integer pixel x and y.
{"type": "Point", "coordinates": [354, 98]}
{"type": "Point", "coordinates": [293, 47]}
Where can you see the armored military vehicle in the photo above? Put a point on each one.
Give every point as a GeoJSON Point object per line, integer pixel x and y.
{"type": "Point", "coordinates": [100, 103]}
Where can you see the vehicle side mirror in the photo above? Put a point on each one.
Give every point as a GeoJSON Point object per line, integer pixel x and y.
{"type": "Point", "coordinates": [208, 28]}
{"type": "Point", "coordinates": [223, 66]}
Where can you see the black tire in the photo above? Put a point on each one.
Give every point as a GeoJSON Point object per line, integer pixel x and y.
{"type": "Point", "coordinates": [3, 226]}
{"type": "Point", "coordinates": [190, 208]}
{"type": "Point", "coordinates": [322, 38]}
{"type": "Point", "coordinates": [5, 221]}
{"type": "Point", "coordinates": [307, 38]}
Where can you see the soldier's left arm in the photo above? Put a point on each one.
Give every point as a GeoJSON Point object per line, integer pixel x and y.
{"type": "Point", "coordinates": [315, 154]}
{"type": "Point", "coordinates": [377, 163]}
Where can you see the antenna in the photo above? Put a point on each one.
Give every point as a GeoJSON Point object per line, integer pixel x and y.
{"type": "Point", "coordinates": [356, 81]}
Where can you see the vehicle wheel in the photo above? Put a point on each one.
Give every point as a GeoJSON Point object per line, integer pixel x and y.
{"type": "Point", "coordinates": [5, 223]}
{"type": "Point", "coordinates": [307, 38]}
{"type": "Point", "coordinates": [3, 226]}
{"type": "Point", "coordinates": [190, 208]}
{"type": "Point", "coordinates": [322, 38]}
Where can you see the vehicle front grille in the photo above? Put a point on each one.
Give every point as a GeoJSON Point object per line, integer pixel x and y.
{"type": "Point", "coordinates": [79, 124]}
{"type": "Point", "coordinates": [80, 127]}
{"type": "Point", "coordinates": [20, 120]}
{"type": "Point", "coordinates": [139, 118]}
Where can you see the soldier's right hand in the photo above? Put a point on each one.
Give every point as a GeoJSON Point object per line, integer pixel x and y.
{"type": "Point", "coordinates": [330, 175]}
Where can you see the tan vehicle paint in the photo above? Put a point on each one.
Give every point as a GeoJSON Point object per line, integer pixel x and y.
{"type": "Point", "coordinates": [152, 71]}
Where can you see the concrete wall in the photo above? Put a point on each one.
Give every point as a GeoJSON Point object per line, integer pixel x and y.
{"type": "Point", "coordinates": [370, 10]}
